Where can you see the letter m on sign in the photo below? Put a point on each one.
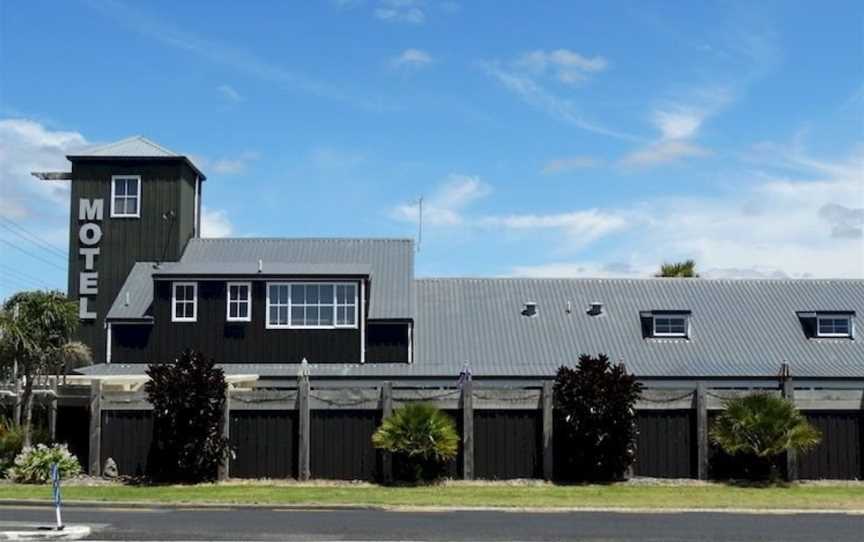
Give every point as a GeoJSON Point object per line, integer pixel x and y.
{"type": "Point", "coordinates": [90, 209]}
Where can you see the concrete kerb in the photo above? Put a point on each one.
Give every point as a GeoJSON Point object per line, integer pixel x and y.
{"type": "Point", "coordinates": [69, 532]}
{"type": "Point", "coordinates": [407, 508]}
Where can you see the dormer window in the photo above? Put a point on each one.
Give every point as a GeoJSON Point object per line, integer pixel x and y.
{"type": "Point", "coordinates": [670, 325]}
{"type": "Point", "coordinates": [125, 196]}
{"type": "Point", "coordinates": [833, 325]}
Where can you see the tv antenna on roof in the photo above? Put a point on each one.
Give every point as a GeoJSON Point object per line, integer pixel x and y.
{"type": "Point", "coordinates": [419, 222]}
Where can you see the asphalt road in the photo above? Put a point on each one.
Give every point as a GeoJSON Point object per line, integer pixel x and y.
{"type": "Point", "coordinates": [117, 522]}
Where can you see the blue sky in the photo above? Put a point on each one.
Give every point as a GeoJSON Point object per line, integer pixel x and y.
{"type": "Point", "coordinates": [546, 138]}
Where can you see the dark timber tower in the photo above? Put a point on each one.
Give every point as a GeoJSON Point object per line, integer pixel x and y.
{"type": "Point", "coordinates": [131, 201]}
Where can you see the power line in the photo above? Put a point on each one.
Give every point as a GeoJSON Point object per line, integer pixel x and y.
{"type": "Point", "coordinates": [27, 235]}
{"type": "Point", "coordinates": [32, 255]}
{"type": "Point", "coordinates": [9, 270]}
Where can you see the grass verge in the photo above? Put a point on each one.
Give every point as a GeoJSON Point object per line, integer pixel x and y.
{"type": "Point", "coordinates": [505, 496]}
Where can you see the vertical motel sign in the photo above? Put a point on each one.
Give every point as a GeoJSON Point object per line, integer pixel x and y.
{"type": "Point", "coordinates": [90, 212]}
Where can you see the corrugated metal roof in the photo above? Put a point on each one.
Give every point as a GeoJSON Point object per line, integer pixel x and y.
{"type": "Point", "coordinates": [138, 287]}
{"type": "Point", "coordinates": [391, 262]}
{"type": "Point", "coordinates": [250, 269]}
{"type": "Point", "coordinates": [132, 147]}
{"type": "Point", "coordinates": [738, 327]}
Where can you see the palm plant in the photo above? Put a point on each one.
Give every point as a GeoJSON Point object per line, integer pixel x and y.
{"type": "Point", "coordinates": [36, 330]}
{"type": "Point", "coordinates": [685, 269]}
{"type": "Point", "coordinates": [763, 426]}
{"type": "Point", "coordinates": [423, 438]}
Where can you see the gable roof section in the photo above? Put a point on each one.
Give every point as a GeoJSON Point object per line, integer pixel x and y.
{"type": "Point", "coordinates": [138, 288]}
{"type": "Point", "coordinates": [391, 263]}
{"type": "Point", "coordinates": [738, 327]}
{"type": "Point", "coordinates": [132, 147]}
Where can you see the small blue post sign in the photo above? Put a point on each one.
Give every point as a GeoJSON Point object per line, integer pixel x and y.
{"type": "Point", "coordinates": [55, 483]}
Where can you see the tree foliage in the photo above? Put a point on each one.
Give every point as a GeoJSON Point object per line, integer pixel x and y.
{"type": "Point", "coordinates": [685, 269]}
{"type": "Point", "coordinates": [597, 400]}
{"type": "Point", "coordinates": [188, 398]}
{"type": "Point", "coordinates": [763, 426]}
{"type": "Point", "coordinates": [36, 330]}
{"type": "Point", "coordinates": [423, 438]}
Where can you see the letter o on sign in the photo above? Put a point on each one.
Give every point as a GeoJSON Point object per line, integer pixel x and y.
{"type": "Point", "coordinates": [90, 234]}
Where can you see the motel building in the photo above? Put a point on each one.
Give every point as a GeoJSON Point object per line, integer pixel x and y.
{"type": "Point", "coordinates": [321, 337]}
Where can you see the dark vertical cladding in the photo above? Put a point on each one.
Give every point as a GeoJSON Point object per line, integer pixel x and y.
{"type": "Point", "coordinates": [341, 446]}
{"type": "Point", "coordinates": [665, 447]}
{"type": "Point", "coordinates": [838, 456]}
{"type": "Point", "coordinates": [167, 190]}
{"type": "Point", "coordinates": [387, 342]}
{"type": "Point", "coordinates": [507, 444]}
{"type": "Point", "coordinates": [228, 342]}
{"type": "Point", "coordinates": [264, 444]}
{"type": "Point", "coordinates": [127, 436]}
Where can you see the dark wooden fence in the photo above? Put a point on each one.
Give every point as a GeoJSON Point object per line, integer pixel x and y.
{"type": "Point", "coordinates": [838, 456]}
{"type": "Point", "coordinates": [506, 433]}
{"type": "Point", "coordinates": [264, 443]}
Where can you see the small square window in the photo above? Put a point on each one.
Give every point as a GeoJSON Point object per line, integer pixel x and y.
{"type": "Point", "coordinates": [184, 302]}
{"type": "Point", "coordinates": [239, 302]}
{"type": "Point", "coordinates": [126, 196]}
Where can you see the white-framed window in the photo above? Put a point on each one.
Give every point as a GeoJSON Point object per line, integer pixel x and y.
{"type": "Point", "coordinates": [239, 302]}
{"type": "Point", "coordinates": [125, 196]}
{"type": "Point", "coordinates": [670, 325]}
{"type": "Point", "coordinates": [184, 302]}
{"type": "Point", "coordinates": [307, 305]}
{"type": "Point", "coordinates": [833, 325]}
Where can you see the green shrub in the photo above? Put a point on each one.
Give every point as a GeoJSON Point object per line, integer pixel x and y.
{"type": "Point", "coordinates": [421, 437]}
{"type": "Point", "coordinates": [760, 427]}
{"type": "Point", "coordinates": [33, 465]}
{"type": "Point", "coordinates": [597, 401]}
{"type": "Point", "coordinates": [12, 441]}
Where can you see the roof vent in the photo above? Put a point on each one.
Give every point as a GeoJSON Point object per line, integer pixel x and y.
{"type": "Point", "coordinates": [595, 308]}
{"type": "Point", "coordinates": [530, 309]}
{"type": "Point", "coordinates": [127, 299]}
{"type": "Point", "coordinates": [260, 265]}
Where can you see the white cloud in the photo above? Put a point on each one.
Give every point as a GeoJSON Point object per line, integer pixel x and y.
{"type": "Point", "coordinates": [450, 205]}
{"type": "Point", "coordinates": [230, 93]}
{"type": "Point", "coordinates": [227, 165]}
{"type": "Point", "coordinates": [770, 226]}
{"type": "Point", "coordinates": [215, 223]}
{"type": "Point", "coordinates": [678, 125]}
{"type": "Point", "coordinates": [572, 163]}
{"type": "Point", "coordinates": [662, 152]}
{"type": "Point", "coordinates": [445, 206]}
{"type": "Point", "coordinates": [580, 269]}
{"type": "Point", "coordinates": [27, 146]}
{"type": "Point", "coordinates": [332, 158]}
{"type": "Point", "coordinates": [166, 33]}
{"type": "Point", "coordinates": [579, 227]}
{"type": "Point", "coordinates": [525, 86]}
{"type": "Point", "coordinates": [401, 11]}
{"type": "Point", "coordinates": [411, 58]}
{"type": "Point", "coordinates": [568, 67]}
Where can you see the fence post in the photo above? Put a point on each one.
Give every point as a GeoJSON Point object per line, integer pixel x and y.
{"type": "Point", "coordinates": [52, 413]}
{"type": "Point", "coordinates": [701, 431]}
{"type": "Point", "coordinates": [468, 429]}
{"type": "Point", "coordinates": [225, 463]}
{"type": "Point", "coordinates": [18, 391]}
{"type": "Point", "coordinates": [788, 391]}
{"type": "Point", "coordinates": [95, 427]}
{"type": "Point", "coordinates": [548, 443]}
{"type": "Point", "coordinates": [386, 411]}
{"type": "Point", "coordinates": [303, 468]}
